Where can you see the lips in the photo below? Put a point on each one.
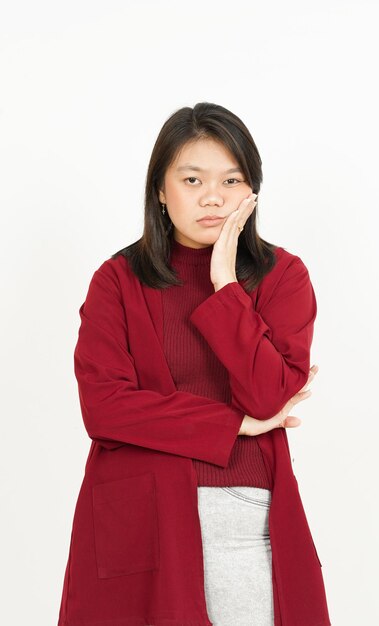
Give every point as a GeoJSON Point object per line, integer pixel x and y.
{"type": "Point", "coordinates": [210, 217]}
{"type": "Point", "coordinates": [210, 222]}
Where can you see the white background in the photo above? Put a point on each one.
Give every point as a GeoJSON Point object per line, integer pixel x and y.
{"type": "Point", "coordinates": [85, 88]}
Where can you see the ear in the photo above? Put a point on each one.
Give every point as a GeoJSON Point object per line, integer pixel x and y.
{"type": "Point", "coordinates": [162, 197]}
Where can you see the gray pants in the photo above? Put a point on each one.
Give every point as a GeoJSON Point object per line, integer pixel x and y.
{"type": "Point", "coordinates": [237, 555]}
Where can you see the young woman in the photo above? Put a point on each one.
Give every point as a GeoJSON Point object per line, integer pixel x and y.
{"type": "Point", "coordinates": [193, 347]}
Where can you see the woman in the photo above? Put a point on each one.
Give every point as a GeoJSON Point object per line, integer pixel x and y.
{"type": "Point", "coordinates": [193, 347]}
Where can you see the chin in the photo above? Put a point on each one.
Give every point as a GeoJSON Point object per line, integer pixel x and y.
{"type": "Point", "coordinates": [188, 240]}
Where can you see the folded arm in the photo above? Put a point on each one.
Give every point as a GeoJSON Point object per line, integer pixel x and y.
{"type": "Point", "coordinates": [114, 407]}
{"type": "Point", "coordinates": [267, 354]}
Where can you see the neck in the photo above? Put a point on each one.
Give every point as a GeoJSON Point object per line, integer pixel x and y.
{"type": "Point", "coordinates": [190, 256]}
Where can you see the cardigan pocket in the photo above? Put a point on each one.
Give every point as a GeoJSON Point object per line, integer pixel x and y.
{"type": "Point", "coordinates": [125, 520]}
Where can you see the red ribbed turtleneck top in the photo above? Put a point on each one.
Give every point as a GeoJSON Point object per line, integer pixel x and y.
{"type": "Point", "coordinates": [196, 369]}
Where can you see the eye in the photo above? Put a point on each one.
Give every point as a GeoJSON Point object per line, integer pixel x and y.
{"type": "Point", "coordinates": [236, 179]}
{"type": "Point", "coordinates": [194, 178]}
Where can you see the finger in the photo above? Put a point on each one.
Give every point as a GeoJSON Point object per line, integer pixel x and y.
{"type": "Point", "coordinates": [298, 397]}
{"type": "Point", "coordinates": [232, 228]}
{"type": "Point", "coordinates": [291, 421]}
{"type": "Point", "coordinates": [301, 395]}
{"type": "Point", "coordinates": [310, 378]}
{"type": "Point", "coordinates": [245, 207]}
{"type": "Point", "coordinates": [312, 373]}
{"type": "Point", "coordinates": [252, 196]}
{"type": "Point", "coordinates": [237, 218]}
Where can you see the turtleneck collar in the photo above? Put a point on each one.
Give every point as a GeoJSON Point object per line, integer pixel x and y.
{"type": "Point", "coordinates": [190, 256]}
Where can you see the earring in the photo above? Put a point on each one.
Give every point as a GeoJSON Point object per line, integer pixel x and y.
{"type": "Point", "coordinates": [163, 208]}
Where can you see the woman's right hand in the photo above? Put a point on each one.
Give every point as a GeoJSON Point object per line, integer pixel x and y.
{"type": "Point", "coordinates": [251, 426]}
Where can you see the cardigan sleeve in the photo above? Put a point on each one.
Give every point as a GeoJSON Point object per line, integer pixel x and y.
{"type": "Point", "coordinates": [116, 410]}
{"type": "Point", "coordinates": [267, 354]}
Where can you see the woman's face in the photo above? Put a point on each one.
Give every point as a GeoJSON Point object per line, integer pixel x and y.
{"type": "Point", "coordinates": [205, 179]}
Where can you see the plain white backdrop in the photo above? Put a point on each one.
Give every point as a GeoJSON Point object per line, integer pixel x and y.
{"type": "Point", "coordinates": [85, 86]}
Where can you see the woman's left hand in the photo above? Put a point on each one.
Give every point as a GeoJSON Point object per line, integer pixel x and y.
{"type": "Point", "coordinates": [224, 253]}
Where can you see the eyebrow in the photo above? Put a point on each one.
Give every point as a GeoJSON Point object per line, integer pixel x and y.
{"type": "Point", "coordinates": [195, 168]}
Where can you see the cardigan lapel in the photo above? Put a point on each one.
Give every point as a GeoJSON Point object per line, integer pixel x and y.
{"type": "Point", "coordinates": [150, 300]}
{"type": "Point", "coordinates": [153, 299]}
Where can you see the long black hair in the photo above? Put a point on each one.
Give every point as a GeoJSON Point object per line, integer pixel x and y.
{"type": "Point", "coordinates": [149, 256]}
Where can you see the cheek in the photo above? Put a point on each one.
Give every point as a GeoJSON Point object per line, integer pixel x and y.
{"type": "Point", "coordinates": [181, 206]}
{"type": "Point", "coordinates": [178, 201]}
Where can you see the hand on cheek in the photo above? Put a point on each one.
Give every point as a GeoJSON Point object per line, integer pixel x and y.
{"type": "Point", "coordinates": [223, 260]}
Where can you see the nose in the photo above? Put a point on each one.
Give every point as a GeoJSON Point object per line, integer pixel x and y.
{"type": "Point", "coordinates": [212, 199]}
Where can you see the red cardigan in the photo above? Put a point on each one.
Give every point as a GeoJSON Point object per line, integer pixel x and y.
{"type": "Point", "coordinates": [135, 555]}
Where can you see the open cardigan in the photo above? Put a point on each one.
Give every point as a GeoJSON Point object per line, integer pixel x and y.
{"type": "Point", "coordinates": [135, 554]}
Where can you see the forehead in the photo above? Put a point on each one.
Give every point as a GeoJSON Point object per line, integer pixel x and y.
{"type": "Point", "coordinates": [205, 155]}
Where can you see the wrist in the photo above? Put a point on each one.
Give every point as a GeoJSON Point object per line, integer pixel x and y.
{"type": "Point", "coordinates": [222, 283]}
